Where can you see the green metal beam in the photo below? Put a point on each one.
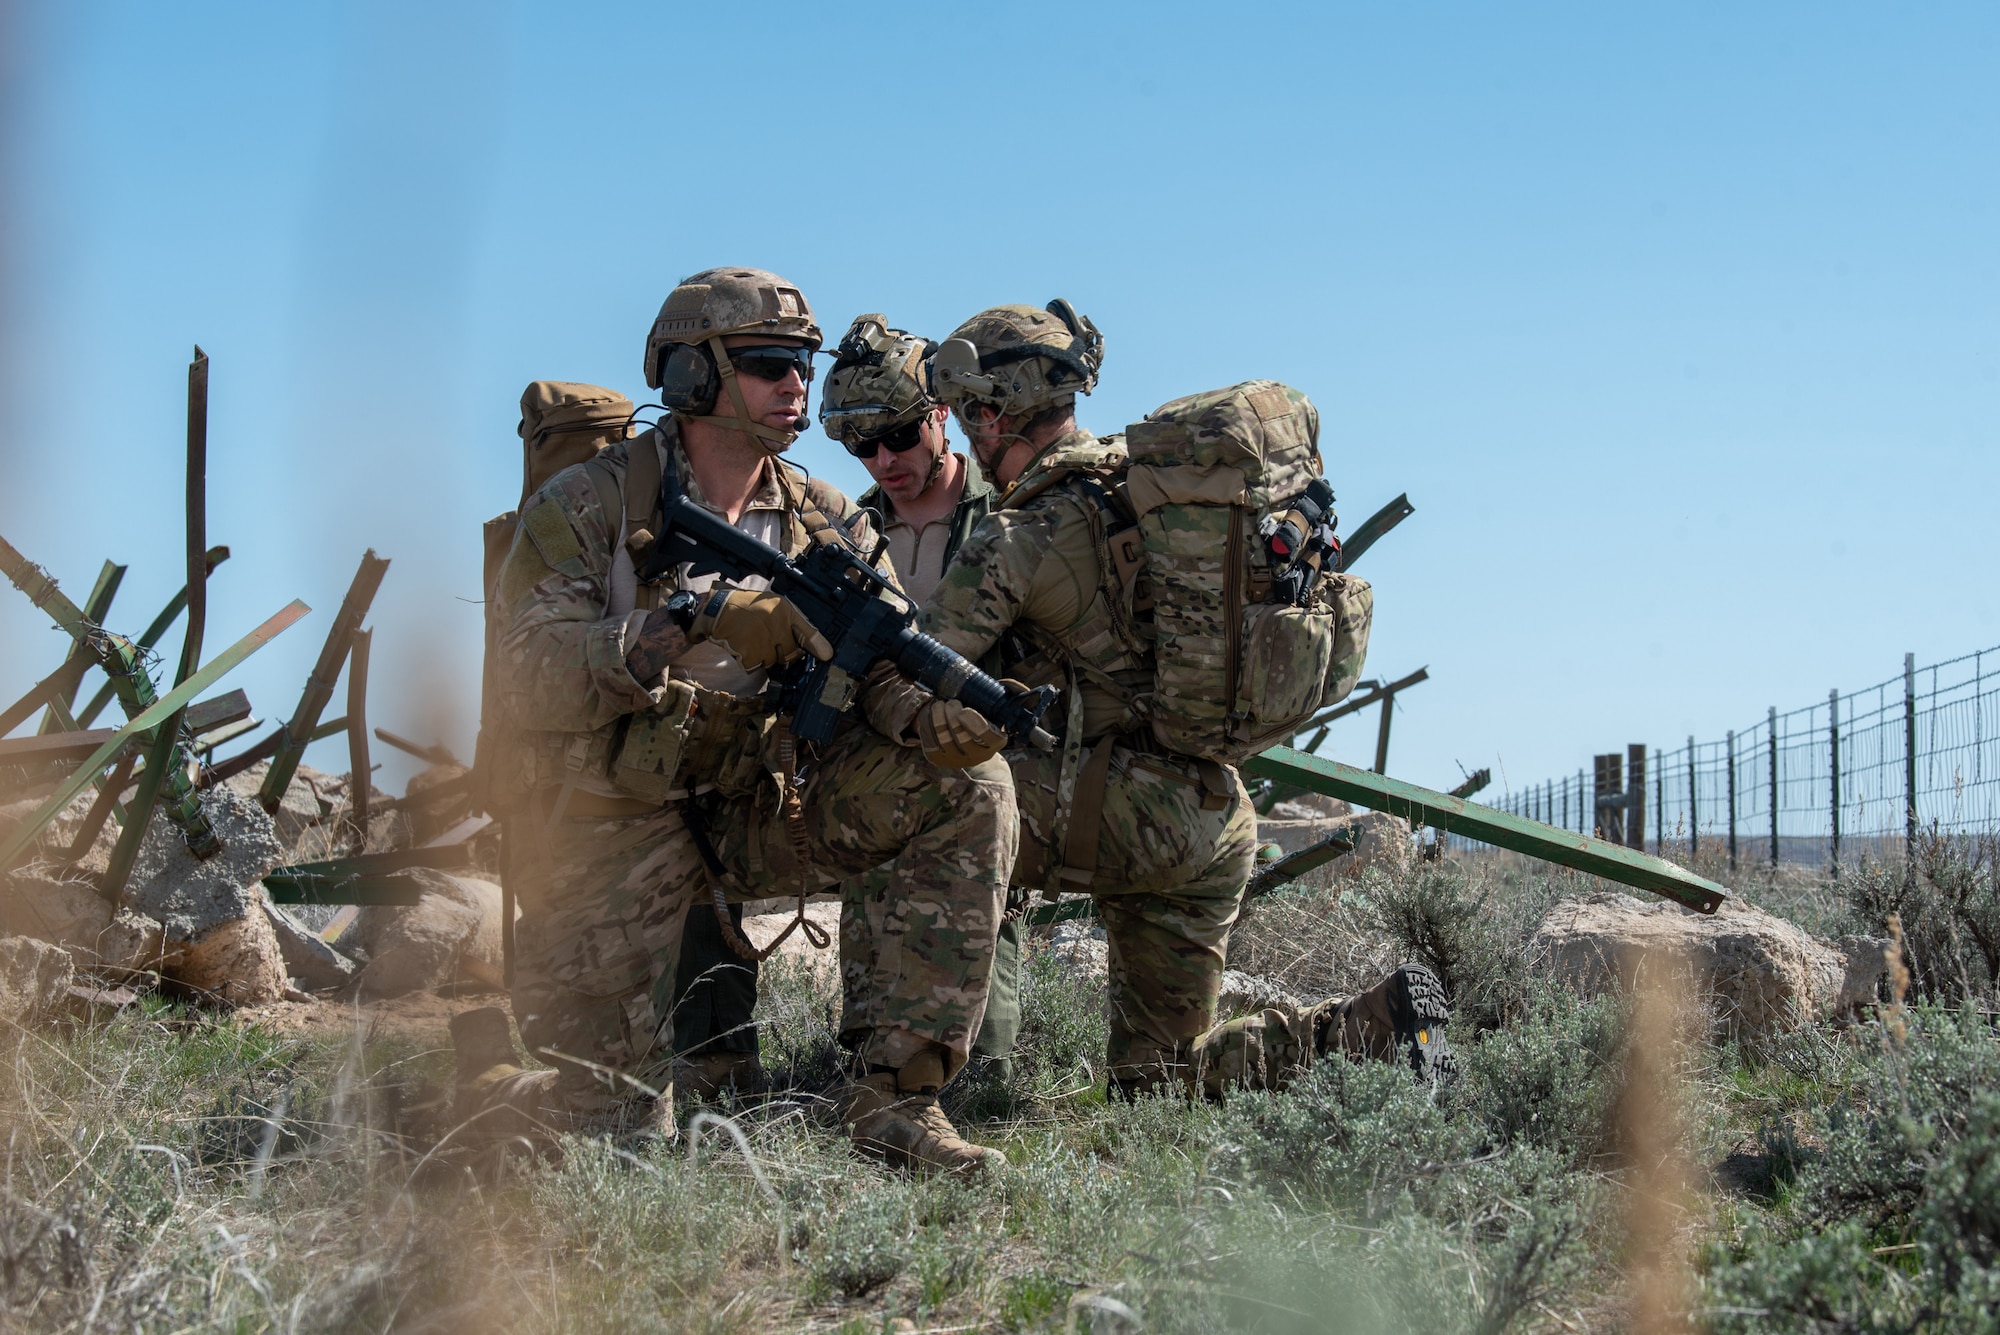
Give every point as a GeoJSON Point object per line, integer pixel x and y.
{"type": "Point", "coordinates": [144, 721]}
{"type": "Point", "coordinates": [1440, 811]}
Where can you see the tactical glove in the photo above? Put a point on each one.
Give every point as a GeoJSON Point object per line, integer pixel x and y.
{"type": "Point", "coordinates": [761, 629]}
{"type": "Point", "coordinates": [955, 737]}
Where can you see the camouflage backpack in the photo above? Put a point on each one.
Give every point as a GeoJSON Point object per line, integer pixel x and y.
{"type": "Point", "coordinates": [1254, 627]}
{"type": "Point", "coordinates": [562, 423]}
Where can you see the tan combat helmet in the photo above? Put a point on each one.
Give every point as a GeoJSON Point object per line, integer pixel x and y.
{"type": "Point", "coordinates": [878, 382]}
{"type": "Point", "coordinates": [1018, 360]}
{"type": "Point", "coordinates": [685, 359]}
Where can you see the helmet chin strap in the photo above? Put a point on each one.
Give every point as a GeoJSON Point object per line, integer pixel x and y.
{"type": "Point", "coordinates": [990, 469]}
{"type": "Point", "coordinates": [775, 440]}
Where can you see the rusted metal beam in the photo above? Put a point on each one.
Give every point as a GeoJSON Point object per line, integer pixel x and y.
{"type": "Point", "coordinates": [297, 734]}
{"type": "Point", "coordinates": [357, 738]}
{"type": "Point", "coordinates": [1453, 815]}
{"type": "Point", "coordinates": [434, 755]}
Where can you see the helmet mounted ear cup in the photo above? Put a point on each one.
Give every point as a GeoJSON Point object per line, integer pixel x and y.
{"type": "Point", "coordinates": [688, 379]}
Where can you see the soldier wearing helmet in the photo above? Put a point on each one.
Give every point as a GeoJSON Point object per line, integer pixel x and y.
{"type": "Point", "coordinates": [1165, 843]}
{"type": "Point", "coordinates": [878, 405]}
{"type": "Point", "coordinates": [655, 771]}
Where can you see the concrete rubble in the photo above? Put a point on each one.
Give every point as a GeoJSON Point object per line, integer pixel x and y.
{"type": "Point", "coordinates": [450, 937]}
{"type": "Point", "coordinates": [1764, 975]}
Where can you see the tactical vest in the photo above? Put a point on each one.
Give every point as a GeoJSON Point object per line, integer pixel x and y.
{"type": "Point", "coordinates": [694, 740]}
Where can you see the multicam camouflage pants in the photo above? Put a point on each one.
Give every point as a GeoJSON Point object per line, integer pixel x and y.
{"type": "Point", "coordinates": [600, 931]}
{"type": "Point", "coordinates": [1171, 872]}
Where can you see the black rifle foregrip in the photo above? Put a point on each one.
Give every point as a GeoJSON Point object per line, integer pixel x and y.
{"type": "Point", "coordinates": [951, 676]}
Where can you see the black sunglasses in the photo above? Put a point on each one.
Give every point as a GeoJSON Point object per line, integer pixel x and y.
{"type": "Point", "coordinates": [900, 440]}
{"type": "Point", "coordinates": [773, 363]}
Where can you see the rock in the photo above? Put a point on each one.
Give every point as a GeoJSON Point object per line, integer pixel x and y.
{"type": "Point", "coordinates": [1081, 946]}
{"type": "Point", "coordinates": [71, 914]}
{"type": "Point", "coordinates": [1867, 962]}
{"type": "Point", "coordinates": [484, 960]}
{"type": "Point", "coordinates": [191, 898]}
{"type": "Point", "coordinates": [35, 978]}
{"type": "Point", "coordinates": [1246, 992]}
{"type": "Point", "coordinates": [301, 809]}
{"type": "Point", "coordinates": [430, 819]}
{"type": "Point", "coordinates": [761, 929]}
{"type": "Point", "coordinates": [309, 961]}
{"type": "Point", "coordinates": [237, 961]}
{"type": "Point", "coordinates": [1311, 806]}
{"type": "Point", "coordinates": [1765, 974]}
{"type": "Point", "coordinates": [1380, 840]}
{"type": "Point", "coordinates": [415, 947]}
{"type": "Point", "coordinates": [1294, 834]}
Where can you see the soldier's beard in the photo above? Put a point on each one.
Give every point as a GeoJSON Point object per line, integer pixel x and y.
{"type": "Point", "coordinates": [989, 468]}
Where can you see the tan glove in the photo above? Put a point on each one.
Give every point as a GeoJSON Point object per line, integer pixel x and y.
{"type": "Point", "coordinates": [956, 737]}
{"type": "Point", "coordinates": [761, 629]}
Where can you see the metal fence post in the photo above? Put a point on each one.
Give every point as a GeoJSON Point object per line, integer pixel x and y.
{"type": "Point", "coordinates": [1694, 839]}
{"type": "Point", "coordinates": [1659, 802]}
{"type": "Point", "coordinates": [1909, 762]}
{"type": "Point", "coordinates": [1729, 743]}
{"type": "Point", "coordinates": [1833, 744]}
{"type": "Point", "coordinates": [1774, 786]}
{"type": "Point", "coordinates": [1584, 805]}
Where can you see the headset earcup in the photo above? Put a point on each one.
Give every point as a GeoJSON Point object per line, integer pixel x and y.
{"type": "Point", "coordinates": [687, 379]}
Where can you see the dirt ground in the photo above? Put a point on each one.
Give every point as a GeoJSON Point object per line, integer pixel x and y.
{"type": "Point", "coordinates": [420, 1017]}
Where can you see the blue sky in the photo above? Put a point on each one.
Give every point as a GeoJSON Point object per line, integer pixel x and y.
{"type": "Point", "coordinates": [1677, 323]}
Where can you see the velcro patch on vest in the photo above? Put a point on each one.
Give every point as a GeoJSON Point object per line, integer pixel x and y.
{"type": "Point", "coordinates": [549, 529]}
{"type": "Point", "coordinates": [1270, 404]}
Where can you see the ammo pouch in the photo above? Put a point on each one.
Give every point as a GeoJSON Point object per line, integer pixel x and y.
{"type": "Point", "coordinates": [694, 740]}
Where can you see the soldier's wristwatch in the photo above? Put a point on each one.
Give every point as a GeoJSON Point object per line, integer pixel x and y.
{"type": "Point", "coordinates": [681, 609]}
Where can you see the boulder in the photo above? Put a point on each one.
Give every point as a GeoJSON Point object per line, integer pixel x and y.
{"type": "Point", "coordinates": [430, 819]}
{"type": "Point", "coordinates": [1311, 806]}
{"type": "Point", "coordinates": [237, 961]}
{"type": "Point", "coordinates": [191, 897]}
{"type": "Point", "coordinates": [415, 947]}
{"type": "Point", "coordinates": [71, 914]}
{"type": "Point", "coordinates": [761, 929]}
{"type": "Point", "coordinates": [310, 962]}
{"type": "Point", "coordinates": [1764, 974]}
{"type": "Point", "coordinates": [1246, 992]}
{"type": "Point", "coordinates": [34, 978]}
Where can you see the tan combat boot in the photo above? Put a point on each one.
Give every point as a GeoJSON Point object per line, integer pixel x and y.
{"type": "Point", "coordinates": [894, 1116]}
{"type": "Point", "coordinates": [705, 1079]}
{"type": "Point", "coordinates": [494, 1101]}
{"type": "Point", "coordinates": [1402, 1018]}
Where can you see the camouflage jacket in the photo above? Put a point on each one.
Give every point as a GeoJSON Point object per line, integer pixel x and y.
{"type": "Point", "coordinates": [1030, 580]}
{"type": "Point", "coordinates": [561, 671]}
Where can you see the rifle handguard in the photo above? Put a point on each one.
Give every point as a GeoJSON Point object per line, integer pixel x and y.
{"type": "Point", "coordinates": [864, 617]}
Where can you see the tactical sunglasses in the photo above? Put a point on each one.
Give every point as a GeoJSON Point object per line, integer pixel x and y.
{"type": "Point", "coordinates": [900, 440]}
{"type": "Point", "coordinates": [773, 363]}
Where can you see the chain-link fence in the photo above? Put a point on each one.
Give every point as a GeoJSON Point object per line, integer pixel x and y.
{"type": "Point", "coordinates": [1853, 776]}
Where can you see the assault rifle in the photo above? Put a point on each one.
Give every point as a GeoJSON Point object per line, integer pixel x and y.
{"type": "Point", "coordinates": [863, 617]}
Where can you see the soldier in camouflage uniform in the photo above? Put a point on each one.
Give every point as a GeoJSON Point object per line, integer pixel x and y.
{"type": "Point", "coordinates": [1164, 842]}
{"type": "Point", "coordinates": [656, 771]}
{"type": "Point", "coordinates": [877, 404]}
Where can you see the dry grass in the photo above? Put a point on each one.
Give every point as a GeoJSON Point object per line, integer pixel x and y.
{"type": "Point", "coordinates": [169, 1171]}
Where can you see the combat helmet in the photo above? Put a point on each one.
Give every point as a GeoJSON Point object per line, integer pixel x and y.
{"type": "Point", "coordinates": [879, 381]}
{"type": "Point", "coordinates": [685, 359]}
{"type": "Point", "coordinates": [1018, 360]}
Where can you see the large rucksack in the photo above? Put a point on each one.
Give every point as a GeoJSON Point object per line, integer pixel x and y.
{"type": "Point", "coordinates": [562, 423]}
{"type": "Point", "coordinates": [1237, 665]}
